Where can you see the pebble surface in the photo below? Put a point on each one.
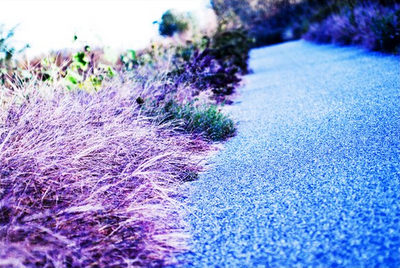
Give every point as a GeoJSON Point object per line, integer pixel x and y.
{"type": "Point", "coordinates": [313, 177]}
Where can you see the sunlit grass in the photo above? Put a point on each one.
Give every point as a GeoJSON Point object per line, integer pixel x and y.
{"type": "Point", "coordinates": [88, 181]}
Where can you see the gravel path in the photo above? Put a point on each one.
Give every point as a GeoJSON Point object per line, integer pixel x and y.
{"type": "Point", "coordinates": [313, 177]}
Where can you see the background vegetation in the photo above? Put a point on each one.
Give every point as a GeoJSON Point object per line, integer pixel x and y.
{"type": "Point", "coordinates": [372, 24]}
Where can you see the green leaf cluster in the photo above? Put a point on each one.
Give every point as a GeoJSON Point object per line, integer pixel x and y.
{"type": "Point", "coordinates": [205, 120]}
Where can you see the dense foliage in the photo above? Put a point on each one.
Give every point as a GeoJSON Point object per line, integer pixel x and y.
{"type": "Point", "coordinates": [216, 64]}
{"type": "Point", "coordinates": [208, 63]}
{"type": "Point", "coordinates": [370, 23]}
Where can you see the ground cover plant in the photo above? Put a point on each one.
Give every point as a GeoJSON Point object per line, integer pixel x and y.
{"type": "Point", "coordinates": [204, 120]}
{"type": "Point", "coordinates": [92, 153]}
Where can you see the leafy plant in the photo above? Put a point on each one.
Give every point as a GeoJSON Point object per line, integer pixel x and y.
{"type": "Point", "coordinates": [213, 63]}
{"type": "Point", "coordinates": [207, 121]}
{"type": "Point", "coordinates": [204, 71]}
{"type": "Point", "coordinates": [80, 71]}
{"type": "Point", "coordinates": [231, 49]}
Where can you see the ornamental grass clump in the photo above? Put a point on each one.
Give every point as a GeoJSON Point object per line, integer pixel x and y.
{"type": "Point", "coordinates": [206, 121]}
{"type": "Point", "coordinates": [87, 181]}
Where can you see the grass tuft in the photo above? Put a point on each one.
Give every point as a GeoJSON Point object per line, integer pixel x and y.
{"type": "Point", "coordinates": [205, 120]}
{"type": "Point", "coordinates": [87, 181]}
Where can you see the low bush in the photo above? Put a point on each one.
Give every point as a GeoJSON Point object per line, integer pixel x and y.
{"type": "Point", "coordinates": [216, 65]}
{"type": "Point", "coordinates": [205, 120]}
{"type": "Point", "coordinates": [369, 25]}
{"type": "Point", "coordinates": [204, 71]}
{"type": "Point", "coordinates": [232, 49]}
{"type": "Point", "coordinates": [210, 63]}
{"type": "Point", "coordinates": [373, 24]}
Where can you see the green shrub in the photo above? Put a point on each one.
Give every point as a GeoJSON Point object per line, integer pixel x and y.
{"type": "Point", "coordinates": [207, 121]}
{"type": "Point", "coordinates": [213, 63]}
{"type": "Point", "coordinates": [204, 71]}
{"type": "Point", "coordinates": [231, 48]}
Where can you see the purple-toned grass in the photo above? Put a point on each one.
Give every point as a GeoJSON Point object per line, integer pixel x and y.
{"type": "Point", "coordinates": [87, 181]}
{"type": "Point", "coordinates": [369, 25]}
